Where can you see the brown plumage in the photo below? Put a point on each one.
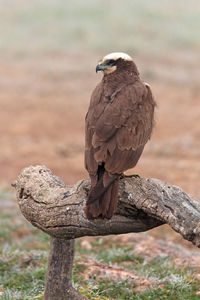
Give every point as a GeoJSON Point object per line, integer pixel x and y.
{"type": "Point", "coordinates": [118, 124]}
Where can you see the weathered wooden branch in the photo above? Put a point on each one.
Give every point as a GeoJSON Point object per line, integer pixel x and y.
{"type": "Point", "coordinates": [58, 209]}
{"type": "Point", "coordinates": [58, 277]}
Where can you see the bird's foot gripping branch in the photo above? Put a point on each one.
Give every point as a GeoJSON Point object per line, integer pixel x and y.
{"type": "Point", "coordinates": [58, 210]}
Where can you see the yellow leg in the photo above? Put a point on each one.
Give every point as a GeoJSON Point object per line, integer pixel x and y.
{"type": "Point", "coordinates": [129, 176]}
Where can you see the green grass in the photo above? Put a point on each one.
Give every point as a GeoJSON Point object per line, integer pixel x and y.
{"type": "Point", "coordinates": [123, 290]}
{"type": "Point", "coordinates": [176, 283]}
{"type": "Point", "coordinates": [23, 263]}
{"type": "Point", "coordinates": [117, 255]}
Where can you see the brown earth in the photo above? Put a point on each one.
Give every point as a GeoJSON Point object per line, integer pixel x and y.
{"type": "Point", "coordinates": [42, 107]}
{"type": "Point", "coordinates": [43, 101]}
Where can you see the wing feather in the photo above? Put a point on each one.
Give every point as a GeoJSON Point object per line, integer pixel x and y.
{"type": "Point", "coordinates": [117, 130]}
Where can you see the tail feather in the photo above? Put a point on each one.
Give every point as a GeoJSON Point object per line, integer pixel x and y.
{"type": "Point", "coordinates": [92, 210]}
{"type": "Point", "coordinates": [102, 200]}
{"type": "Point", "coordinates": [97, 190]}
{"type": "Point", "coordinates": [114, 198]}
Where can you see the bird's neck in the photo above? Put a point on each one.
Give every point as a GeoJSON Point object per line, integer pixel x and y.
{"type": "Point", "coordinates": [119, 78]}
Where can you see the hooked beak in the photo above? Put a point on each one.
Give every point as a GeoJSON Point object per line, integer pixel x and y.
{"type": "Point", "coordinates": [98, 68]}
{"type": "Point", "coordinates": [101, 66]}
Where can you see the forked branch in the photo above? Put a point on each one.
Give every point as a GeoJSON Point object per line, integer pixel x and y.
{"type": "Point", "coordinates": [58, 209]}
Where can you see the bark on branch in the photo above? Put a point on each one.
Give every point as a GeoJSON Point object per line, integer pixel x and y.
{"type": "Point", "coordinates": [58, 209]}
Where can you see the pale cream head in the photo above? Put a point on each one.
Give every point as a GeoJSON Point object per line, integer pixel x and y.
{"type": "Point", "coordinates": [108, 64]}
{"type": "Point", "coordinates": [117, 55]}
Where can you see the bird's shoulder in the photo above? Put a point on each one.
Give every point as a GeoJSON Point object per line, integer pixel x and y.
{"type": "Point", "coordinates": [116, 107]}
{"type": "Point", "coordinates": [126, 99]}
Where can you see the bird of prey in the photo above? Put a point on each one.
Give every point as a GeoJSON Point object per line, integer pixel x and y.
{"type": "Point", "coordinates": [118, 124]}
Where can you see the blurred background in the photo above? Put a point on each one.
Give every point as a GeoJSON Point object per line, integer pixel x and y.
{"type": "Point", "coordinates": [49, 51]}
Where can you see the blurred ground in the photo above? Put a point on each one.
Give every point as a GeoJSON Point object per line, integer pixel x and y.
{"type": "Point", "coordinates": [49, 51]}
{"type": "Point", "coordinates": [43, 105]}
{"type": "Point", "coordinates": [49, 54]}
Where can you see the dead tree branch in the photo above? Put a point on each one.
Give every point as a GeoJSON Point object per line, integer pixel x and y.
{"type": "Point", "coordinates": [58, 210]}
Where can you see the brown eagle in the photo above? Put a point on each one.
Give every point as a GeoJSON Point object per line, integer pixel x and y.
{"type": "Point", "coordinates": [118, 124]}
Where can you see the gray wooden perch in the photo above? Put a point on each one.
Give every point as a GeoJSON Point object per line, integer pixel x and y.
{"type": "Point", "coordinates": [58, 210]}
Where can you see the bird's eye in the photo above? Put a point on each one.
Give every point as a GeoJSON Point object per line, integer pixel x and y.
{"type": "Point", "coordinates": [111, 62]}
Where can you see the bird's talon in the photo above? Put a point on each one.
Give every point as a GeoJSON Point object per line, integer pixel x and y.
{"type": "Point", "coordinates": [130, 176]}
